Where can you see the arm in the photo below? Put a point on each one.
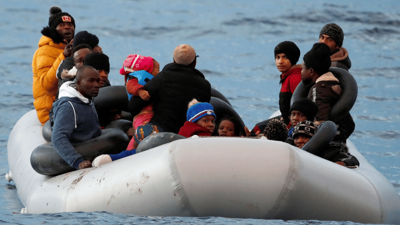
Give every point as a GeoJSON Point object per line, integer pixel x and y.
{"type": "Point", "coordinates": [132, 86]}
{"type": "Point", "coordinates": [64, 125]}
{"type": "Point", "coordinates": [46, 71]}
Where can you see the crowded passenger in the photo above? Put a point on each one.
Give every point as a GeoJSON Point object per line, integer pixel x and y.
{"type": "Point", "coordinates": [324, 88]}
{"type": "Point", "coordinates": [336, 152]}
{"type": "Point", "coordinates": [138, 70]}
{"type": "Point", "coordinates": [286, 56]}
{"type": "Point", "coordinates": [54, 46]}
{"type": "Point", "coordinates": [200, 119]}
{"type": "Point", "coordinates": [276, 130]}
{"type": "Point", "coordinates": [228, 127]}
{"type": "Point", "coordinates": [171, 90]}
{"type": "Point", "coordinates": [301, 110]}
{"type": "Point", "coordinates": [332, 35]}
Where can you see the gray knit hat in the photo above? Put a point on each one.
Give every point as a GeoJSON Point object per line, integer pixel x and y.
{"type": "Point", "coordinates": [334, 31]}
{"type": "Point", "coordinates": [305, 127]}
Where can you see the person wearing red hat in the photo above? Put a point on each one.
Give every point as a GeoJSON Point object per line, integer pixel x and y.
{"type": "Point", "coordinates": [54, 46]}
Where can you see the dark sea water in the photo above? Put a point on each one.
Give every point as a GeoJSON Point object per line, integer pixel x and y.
{"type": "Point", "coordinates": [235, 41]}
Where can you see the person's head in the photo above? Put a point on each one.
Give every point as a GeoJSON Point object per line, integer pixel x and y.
{"type": "Point", "coordinates": [276, 130]}
{"type": "Point", "coordinates": [332, 35]}
{"type": "Point", "coordinates": [228, 126]}
{"type": "Point", "coordinates": [186, 55]}
{"type": "Point", "coordinates": [61, 26]}
{"type": "Point", "coordinates": [142, 132]}
{"type": "Point", "coordinates": [286, 55]}
{"type": "Point", "coordinates": [303, 132]}
{"type": "Point", "coordinates": [84, 37]}
{"type": "Point", "coordinates": [302, 110]}
{"type": "Point", "coordinates": [79, 53]}
{"type": "Point", "coordinates": [315, 63]}
{"type": "Point", "coordinates": [136, 62]}
{"type": "Point", "coordinates": [203, 114]}
{"type": "Point", "coordinates": [101, 63]}
{"type": "Point", "coordinates": [88, 81]}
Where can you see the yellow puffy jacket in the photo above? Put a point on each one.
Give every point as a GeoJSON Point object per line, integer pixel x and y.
{"type": "Point", "coordinates": [45, 83]}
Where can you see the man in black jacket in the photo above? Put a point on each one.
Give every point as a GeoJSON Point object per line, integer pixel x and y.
{"type": "Point", "coordinates": [172, 89]}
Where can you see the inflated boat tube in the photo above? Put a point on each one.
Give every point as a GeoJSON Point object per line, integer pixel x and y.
{"type": "Point", "coordinates": [346, 99]}
{"type": "Point", "coordinates": [217, 94]}
{"type": "Point", "coordinates": [222, 109]}
{"type": "Point", "coordinates": [112, 97]}
{"type": "Point", "coordinates": [157, 139]}
{"type": "Point", "coordinates": [46, 132]}
{"type": "Point", "coordinates": [45, 160]}
{"type": "Point", "coordinates": [326, 132]}
{"type": "Point", "coordinates": [121, 124]}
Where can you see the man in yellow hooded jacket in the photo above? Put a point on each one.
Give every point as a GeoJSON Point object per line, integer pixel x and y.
{"type": "Point", "coordinates": [54, 46]}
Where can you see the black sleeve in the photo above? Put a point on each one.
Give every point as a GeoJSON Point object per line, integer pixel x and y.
{"type": "Point", "coordinates": [66, 64]}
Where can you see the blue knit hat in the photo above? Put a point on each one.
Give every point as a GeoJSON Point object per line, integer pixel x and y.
{"type": "Point", "coordinates": [199, 110]}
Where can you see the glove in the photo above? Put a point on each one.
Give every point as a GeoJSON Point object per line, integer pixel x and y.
{"type": "Point", "coordinates": [100, 160]}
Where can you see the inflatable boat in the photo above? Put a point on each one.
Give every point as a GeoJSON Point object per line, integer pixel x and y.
{"type": "Point", "coordinates": [216, 176]}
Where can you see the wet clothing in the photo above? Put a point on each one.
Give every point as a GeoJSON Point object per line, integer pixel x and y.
{"type": "Point", "coordinates": [171, 91]}
{"type": "Point", "coordinates": [75, 121]}
{"type": "Point", "coordinates": [325, 92]}
{"type": "Point", "coordinates": [340, 58]}
{"type": "Point", "coordinates": [189, 129]}
{"type": "Point", "coordinates": [45, 62]}
{"type": "Point", "coordinates": [289, 81]}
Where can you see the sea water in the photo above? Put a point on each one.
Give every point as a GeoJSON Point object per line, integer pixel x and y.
{"type": "Point", "coordinates": [235, 41]}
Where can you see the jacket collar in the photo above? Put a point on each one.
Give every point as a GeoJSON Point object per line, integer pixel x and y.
{"type": "Point", "coordinates": [68, 89]}
{"type": "Point", "coordinates": [327, 77]}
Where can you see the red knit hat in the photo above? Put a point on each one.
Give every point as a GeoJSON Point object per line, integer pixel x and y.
{"type": "Point", "coordinates": [136, 63]}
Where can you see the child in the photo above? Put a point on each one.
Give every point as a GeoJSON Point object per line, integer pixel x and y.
{"type": "Point", "coordinates": [200, 120]}
{"type": "Point", "coordinates": [228, 127]}
{"type": "Point", "coordinates": [140, 133]}
{"type": "Point", "coordinates": [336, 152]}
{"type": "Point", "coordinates": [301, 110]}
{"type": "Point", "coordinates": [138, 70]}
{"type": "Point", "coordinates": [276, 130]}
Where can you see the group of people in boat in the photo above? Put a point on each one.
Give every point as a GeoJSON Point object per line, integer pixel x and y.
{"type": "Point", "coordinates": [69, 70]}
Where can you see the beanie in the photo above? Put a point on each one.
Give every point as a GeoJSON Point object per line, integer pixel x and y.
{"type": "Point", "coordinates": [136, 63]}
{"type": "Point", "coordinates": [57, 17]}
{"type": "Point", "coordinates": [305, 127]}
{"type": "Point", "coordinates": [290, 49]}
{"type": "Point", "coordinates": [144, 131]}
{"type": "Point", "coordinates": [97, 60]}
{"type": "Point", "coordinates": [84, 37]}
{"type": "Point", "coordinates": [334, 31]}
{"type": "Point", "coordinates": [318, 58]}
{"type": "Point", "coordinates": [184, 54]}
{"type": "Point", "coordinates": [276, 130]}
{"type": "Point", "coordinates": [305, 106]}
{"type": "Point", "coordinates": [199, 111]}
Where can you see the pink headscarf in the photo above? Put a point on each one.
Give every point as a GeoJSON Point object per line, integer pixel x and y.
{"type": "Point", "coordinates": [136, 63]}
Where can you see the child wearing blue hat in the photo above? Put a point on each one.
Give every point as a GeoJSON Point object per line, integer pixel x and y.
{"type": "Point", "coordinates": [200, 120]}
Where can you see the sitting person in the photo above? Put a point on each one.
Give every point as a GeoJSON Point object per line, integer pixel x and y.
{"type": "Point", "coordinates": [138, 70]}
{"type": "Point", "coordinates": [200, 120]}
{"type": "Point", "coordinates": [228, 127]}
{"type": "Point", "coordinates": [276, 130]}
{"type": "Point", "coordinates": [324, 88]}
{"type": "Point", "coordinates": [336, 152]}
{"type": "Point", "coordinates": [140, 133]}
{"type": "Point", "coordinates": [301, 110]}
{"type": "Point", "coordinates": [75, 117]}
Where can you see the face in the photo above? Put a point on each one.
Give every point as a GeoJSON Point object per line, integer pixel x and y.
{"type": "Point", "coordinates": [306, 74]}
{"type": "Point", "coordinates": [79, 57]}
{"type": "Point", "coordinates": [89, 85]}
{"type": "Point", "coordinates": [296, 117]}
{"type": "Point", "coordinates": [282, 62]}
{"type": "Point", "coordinates": [156, 68]}
{"type": "Point", "coordinates": [328, 41]}
{"type": "Point", "coordinates": [207, 122]}
{"type": "Point", "coordinates": [98, 49]}
{"type": "Point", "coordinates": [103, 77]}
{"type": "Point", "coordinates": [226, 129]}
{"type": "Point", "coordinates": [66, 30]}
{"type": "Point", "coordinates": [300, 140]}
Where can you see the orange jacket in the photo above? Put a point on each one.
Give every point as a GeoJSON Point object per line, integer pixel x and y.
{"type": "Point", "coordinates": [44, 66]}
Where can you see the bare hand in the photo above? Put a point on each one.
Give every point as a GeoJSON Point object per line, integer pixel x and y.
{"type": "Point", "coordinates": [317, 123]}
{"type": "Point", "coordinates": [68, 48]}
{"type": "Point", "coordinates": [85, 164]}
{"type": "Point", "coordinates": [65, 75]}
{"type": "Point", "coordinates": [246, 131]}
{"type": "Point", "coordinates": [144, 94]}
